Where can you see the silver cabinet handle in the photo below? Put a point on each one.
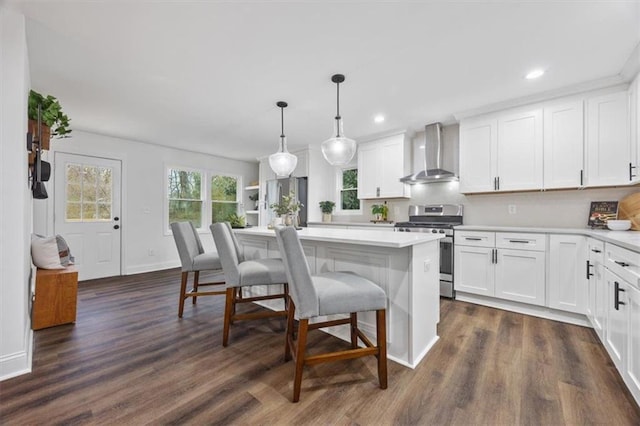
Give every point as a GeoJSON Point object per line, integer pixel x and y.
{"type": "Point", "coordinates": [519, 241]}
{"type": "Point", "coordinates": [473, 239]}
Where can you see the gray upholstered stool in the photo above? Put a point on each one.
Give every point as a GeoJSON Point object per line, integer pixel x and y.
{"type": "Point", "coordinates": [327, 294]}
{"type": "Point", "coordinates": [194, 259]}
{"type": "Point", "coordinates": [241, 273]}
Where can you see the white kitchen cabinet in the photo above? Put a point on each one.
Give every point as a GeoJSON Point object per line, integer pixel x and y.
{"type": "Point", "coordinates": [597, 304]}
{"type": "Point", "coordinates": [505, 265]}
{"type": "Point", "coordinates": [381, 164]}
{"type": "Point", "coordinates": [568, 285]}
{"type": "Point", "coordinates": [478, 144]}
{"type": "Point", "coordinates": [302, 166]}
{"type": "Point", "coordinates": [632, 370]}
{"type": "Point", "coordinates": [634, 110]}
{"type": "Point", "coordinates": [617, 319]}
{"type": "Point", "coordinates": [608, 146]}
{"type": "Point", "coordinates": [564, 145]}
{"type": "Point", "coordinates": [519, 152]}
{"type": "Point", "coordinates": [474, 270]}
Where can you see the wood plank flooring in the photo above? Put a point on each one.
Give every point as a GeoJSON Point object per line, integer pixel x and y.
{"type": "Point", "coordinates": [130, 360]}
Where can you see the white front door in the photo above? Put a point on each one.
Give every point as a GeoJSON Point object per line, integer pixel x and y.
{"type": "Point", "coordinates": [87, 212]}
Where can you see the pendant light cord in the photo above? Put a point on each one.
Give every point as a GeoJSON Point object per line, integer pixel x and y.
{"type": "Point", "coordinates": [338, 109]}
{"type": "Point", "coordinates": [282, 122]}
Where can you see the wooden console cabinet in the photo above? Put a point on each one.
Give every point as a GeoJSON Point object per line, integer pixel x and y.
{"type": "Point", "coordinates": [55, 298]}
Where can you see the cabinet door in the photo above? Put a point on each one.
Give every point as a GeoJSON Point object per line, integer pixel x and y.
{"type": "Point", "coordinates": [563, 145]}
{"type": "Point", "coordinates": [392, 155]}
{"type": "Point", "coordinates": [632, 376]}
{"type": "Point", "coordinates": [473, 270]}
{"type": "Point", "coordinates": [568, 284]}
{"type": "Point", "coordinates": [520, 276]}
{"type": "Point", "coordinates": [478, 141]}
{"type": "Point", "coordinates": [616, 331]}
{"type": "Point", "coordinates": [368, 171]}
{"type": "Point", "coordinates": [596, 307]}
{"type": "Point", "coordinates": [519, 151]}
{"type": "Point", "coordinates": [608, 145]}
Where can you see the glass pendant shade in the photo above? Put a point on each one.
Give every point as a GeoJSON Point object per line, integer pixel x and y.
{"type": "Point", "coordinates": [283, 163]}
{"type": "Point", "coordinates": [338, 150]}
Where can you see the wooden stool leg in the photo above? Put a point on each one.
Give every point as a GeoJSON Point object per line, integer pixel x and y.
{"type": "Point", "coordinates": [183, 292]}
{"type": "Point", "coordinates": [381, 328]}
{"type": "Point", "coordinates": [300, 354]}
{"type": "Point", "coordinates": [354, 327]}
{"type": "Point", "coordinates": [196, 277]}
{"type": "Point", "coordinates": [228, 312]}
{"type": "Point", "coordinates": [288, 335]}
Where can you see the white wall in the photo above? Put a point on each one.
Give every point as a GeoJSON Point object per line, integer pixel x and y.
{"type": "Point", "coordinates": [15, 199]}
{"type": "Point", "coordinates": [143, 192]}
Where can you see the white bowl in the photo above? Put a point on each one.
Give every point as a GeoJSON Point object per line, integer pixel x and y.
{"type": "Point", "coordinates": [619, 225]}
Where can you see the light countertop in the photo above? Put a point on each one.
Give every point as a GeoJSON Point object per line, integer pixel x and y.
{"type": "Point", "coordinates": [338, 223]}
{"type": "Point", "coordinates": [627, 239]}
{"type": "Point", "coordinates": [366, 237]}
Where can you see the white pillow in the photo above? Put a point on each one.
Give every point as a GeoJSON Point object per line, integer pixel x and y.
{"type": "Point", "coordinates": [44, 252]}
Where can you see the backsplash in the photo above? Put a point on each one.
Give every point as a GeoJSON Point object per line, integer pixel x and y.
{"type": "Point", "coordinates": [555, 209]}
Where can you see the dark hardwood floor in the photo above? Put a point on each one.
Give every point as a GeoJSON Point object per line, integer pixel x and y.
{"type": "Point", "coordinates": [130, 360]}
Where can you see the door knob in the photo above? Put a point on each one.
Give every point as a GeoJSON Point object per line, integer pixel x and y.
{"type": "Point", "coordinates": [116, 226]}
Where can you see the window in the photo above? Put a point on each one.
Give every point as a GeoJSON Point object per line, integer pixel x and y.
{"type": "Point", "coordinates": [224, 197]}
{"type": "Point", "coordinates": [185, 196]}
{"type": "Point", "coordinates": [201, 197]}
{"type": "Point", "coordinates": [348, 187]}
{"type": "Point", "coordinates": [88, 194]}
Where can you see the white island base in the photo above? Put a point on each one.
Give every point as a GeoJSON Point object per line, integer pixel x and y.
{"type": "Point", "coordinates": [405, 265]}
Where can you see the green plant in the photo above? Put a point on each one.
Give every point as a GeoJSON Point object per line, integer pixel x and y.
{"type": "Point", "coordinates": [288, 205]}
{"type": "Point", "coordinates": [52, 114]}
{"type": "Point", "coordinates": [380, 209]}
{"type": "Point", "coordinates": [236, 221]}
{"type": "Point", "coordinates": [327, 206]}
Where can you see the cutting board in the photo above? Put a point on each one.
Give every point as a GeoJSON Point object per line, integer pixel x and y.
{"type": "Point", "coordinates": [629, 208]}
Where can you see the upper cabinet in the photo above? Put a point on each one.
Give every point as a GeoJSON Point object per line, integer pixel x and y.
{"type": "Point", "coordinates": [381, 164]}
{"type": "Point", "coordinates": [478, 144]}
{"type": "Point", "coordinates": [634, 109]}
{"type": "Point", "coordinates": [519, 154]}
{"type": "Point", "coordinates": [563, 145]}
{"type": "Point", "coordinates": [608, 147]}
{"type": "Point", "coordinates": [502, 153]}
{"type": "Point", "coordinates": [569, 143]}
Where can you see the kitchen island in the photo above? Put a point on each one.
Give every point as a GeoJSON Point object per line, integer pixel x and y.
{"type": "Point", "coordinates": [405, 265]}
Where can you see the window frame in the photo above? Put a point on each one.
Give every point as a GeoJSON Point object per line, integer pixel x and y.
{"type": "Point", "coordinates": [338, 178]}
{"type": "Point", "coordinates": [205, 194]}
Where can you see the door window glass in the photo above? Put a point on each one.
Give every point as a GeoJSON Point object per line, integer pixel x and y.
{"type": "Point", "coordinates": [88, 193]}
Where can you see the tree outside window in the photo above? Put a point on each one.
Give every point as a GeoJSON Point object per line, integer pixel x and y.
{"type": "Point", "coordinates": [349, 191]}
{"type": "Point", "coordinates": [224, 197]}
{"type": "Point", "coordinates": [185, 196]}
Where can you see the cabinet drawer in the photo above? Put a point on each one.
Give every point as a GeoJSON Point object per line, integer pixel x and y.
{"type": "Point", "coordinates": [623, 262]}
{"type": "Point", "coordinates": [518, 241]}
{"type": "Point", "coordinates": [475, 238]}
{"type": "Point", "coordinates": [596, 251]}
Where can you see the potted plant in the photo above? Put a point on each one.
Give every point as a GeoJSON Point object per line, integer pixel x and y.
{"type": "Point", "coordinates": [254, 198]}
{"type": "Point", "coordinates": [236, 221]}
{"type": "Point", "coordinates": [327, 208]}
{"type": "Point", "coordinates": [54, 121]}
{"type": "Point", "coordinates": [380, 211]}
{"type": "Point", "coordinates": [287, 208]}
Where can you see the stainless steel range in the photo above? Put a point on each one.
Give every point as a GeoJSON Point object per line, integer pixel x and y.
{"type": "Point", "coordinates": [437, 219]}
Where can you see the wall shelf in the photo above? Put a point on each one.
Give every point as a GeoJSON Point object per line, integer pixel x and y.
{"type": "Point", "coordinates": [251, 211]}
{"type": "Point", "coordinates": [252, 187]}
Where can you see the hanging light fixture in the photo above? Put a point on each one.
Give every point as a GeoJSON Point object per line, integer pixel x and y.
{"type": "Point", "coordinates": [283, 163]}
{"type": "Point", "coordinates": [338, 150]}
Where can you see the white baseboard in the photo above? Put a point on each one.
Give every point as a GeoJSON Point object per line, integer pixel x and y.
{"type": "Point", "coordinates": [523, 308]}
{"type": "Point", "coordinates": [19, 363]}
{"type": "Point", "coordinates": [150, 267]}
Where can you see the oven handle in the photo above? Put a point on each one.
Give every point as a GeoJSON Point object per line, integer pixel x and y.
{"type": "Point", "coordinates": [447, 240]}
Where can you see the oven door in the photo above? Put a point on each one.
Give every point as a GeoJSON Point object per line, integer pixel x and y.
{"type": "Point", "coordinates": [446, 267]}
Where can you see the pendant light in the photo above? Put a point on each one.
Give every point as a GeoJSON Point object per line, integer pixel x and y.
{"type": "Point", "coordinates": [338, 150]}
{"type": "Point", "coordinates": [283, 163]}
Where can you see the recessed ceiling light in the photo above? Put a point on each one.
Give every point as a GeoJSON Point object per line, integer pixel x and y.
{"type": "Point", "coordinates": [378, 118]}
{"type": "Point", "coordinates": [534, 74]}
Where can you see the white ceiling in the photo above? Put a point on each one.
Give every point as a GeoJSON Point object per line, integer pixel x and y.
{"type": "Point", "coordinates": [205, 75]}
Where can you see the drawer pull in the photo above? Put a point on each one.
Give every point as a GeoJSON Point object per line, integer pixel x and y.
{"type": "Point", "coordinates": [596, 251]}
{"type": "Point", "coordinates": [472, 239]}
{"type": "Point", "coordinates": [623, 264]}
{"type": "Point", "coordinates": [519, 241]}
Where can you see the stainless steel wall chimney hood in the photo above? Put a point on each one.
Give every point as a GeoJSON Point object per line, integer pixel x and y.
{"type": "Point", "coordinates": [430, 170]}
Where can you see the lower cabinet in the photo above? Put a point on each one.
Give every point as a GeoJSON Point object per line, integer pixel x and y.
{"type": "Point", "coordinates": [597, 298]}
{"type": "Point", "coordinates": [632, 376]}
{"type": "Point", "coordinates": [505, 265]}
{"type": "Point", "coordinates": [617, 313]}
{"type": "Point", "coordinates": [568, 285]}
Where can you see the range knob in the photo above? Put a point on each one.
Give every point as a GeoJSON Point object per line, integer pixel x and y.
{"type": "Point", "coordinates": [441, 231]}
{"type": "Point", "coordinates": [434, 231]}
